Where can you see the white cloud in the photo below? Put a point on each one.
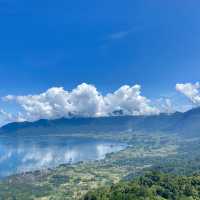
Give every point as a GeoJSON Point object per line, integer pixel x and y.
{"type": "Point", "coordinates": [84, 100]}
{"type": "Point", "coordinates": [191, 91]}
{"type": "Point", "coordinates": [129, 100]}
{"type": "Point", "coordinates": [165, 105]}
{"type": "Point", "coordinates": [6, 117]}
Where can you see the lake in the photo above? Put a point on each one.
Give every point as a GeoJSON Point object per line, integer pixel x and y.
{"type": "Point", "coordinates": [19, 155]}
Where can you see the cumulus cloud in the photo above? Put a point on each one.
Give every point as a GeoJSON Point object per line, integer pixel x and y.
{"type": "Point", "coordinates": [130, 101]}
{"type": "Point", "coordinates": [6, 117]}
{"type": "Point", "coordinates": [85, 101]}
{"type": "Point", "coordinates": [191, 91]}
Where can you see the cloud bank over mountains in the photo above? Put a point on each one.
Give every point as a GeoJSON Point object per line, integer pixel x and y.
{"type": "Point", "coordinates": [86, 101]}
{"type": "Point", "coordinates": [191, 91]}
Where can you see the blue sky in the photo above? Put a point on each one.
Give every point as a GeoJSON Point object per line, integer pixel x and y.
{"type": "Point", "coordinates": [50, 43]}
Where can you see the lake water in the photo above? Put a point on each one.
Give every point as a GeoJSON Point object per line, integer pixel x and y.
{"type": "Point", "coordinates": [26, 154]}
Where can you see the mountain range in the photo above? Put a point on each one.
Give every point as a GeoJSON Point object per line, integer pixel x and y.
{"type": "Point", "coordinates": [186, 123]}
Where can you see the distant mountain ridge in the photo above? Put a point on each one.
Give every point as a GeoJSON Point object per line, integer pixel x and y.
{"type": "Point", "coordinates": [187, 123]}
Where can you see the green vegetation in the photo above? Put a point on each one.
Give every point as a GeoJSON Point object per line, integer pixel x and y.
{"type": "Point", "coordinates": [152, 186]}
{"type": "Point", "coordinates": [73, 181]}
{"type": "Point", "coordinates": [163, 153]}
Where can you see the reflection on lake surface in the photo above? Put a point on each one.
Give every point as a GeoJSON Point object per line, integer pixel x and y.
{"type": "Point", "coordinates": [26, 154]}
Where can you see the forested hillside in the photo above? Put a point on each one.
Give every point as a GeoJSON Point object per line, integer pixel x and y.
{"type": "Point", "coordinates": [152, 186]}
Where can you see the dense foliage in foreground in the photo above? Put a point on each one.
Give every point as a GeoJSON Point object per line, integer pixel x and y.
{"type": "Point", "coordinates": [152, 186]}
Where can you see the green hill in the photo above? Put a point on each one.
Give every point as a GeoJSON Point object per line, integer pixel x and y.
{"type": "Point", "coordinates": [152, 186]}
